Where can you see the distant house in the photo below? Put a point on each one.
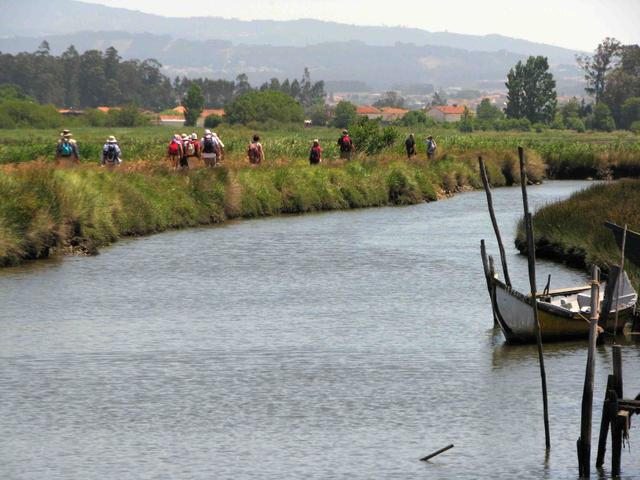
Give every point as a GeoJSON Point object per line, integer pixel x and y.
{"type": "Point", "coordinates": [387, 114]}
{"type": "Point", "coordinates": [446, 113]}
{"type": "Point", "coordinates": [70, 112]}
{"type": "Point", "coordinates": [368, 111]}
{"type": "Point", "coordinates": [175, 117]}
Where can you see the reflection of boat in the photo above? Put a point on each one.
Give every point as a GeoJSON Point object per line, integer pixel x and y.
{"type": "Point", "coordinates": [632, 242]}
{"type": "Point", "coordinates": [563, 314]}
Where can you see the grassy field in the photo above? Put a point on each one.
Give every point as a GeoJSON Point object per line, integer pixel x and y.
{"type": "Point", "coordinates": [566, 154]}
{"type": "Point", "coordinates": [573, 230]}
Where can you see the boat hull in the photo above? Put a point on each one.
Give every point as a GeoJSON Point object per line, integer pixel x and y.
{"type": "Point", "coordinates": [514, 313]}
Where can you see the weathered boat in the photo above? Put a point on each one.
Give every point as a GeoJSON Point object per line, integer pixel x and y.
{"type": "Point", "coordinates": [563, 313]}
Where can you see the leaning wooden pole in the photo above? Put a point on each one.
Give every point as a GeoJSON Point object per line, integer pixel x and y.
{"type": "Point", "coordinates": [584, 442]}
{"type": "Point", "coordinates": [487, 190]}
{"type": "Point", "coordinates": [531, 253]}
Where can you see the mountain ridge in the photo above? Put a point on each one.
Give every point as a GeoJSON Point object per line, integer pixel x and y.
{"type": "Point", "coordinates": [61, 18]}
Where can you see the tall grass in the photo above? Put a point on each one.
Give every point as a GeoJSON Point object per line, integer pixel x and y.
{"type": "Point", "coordinates": [45, 210]}
{"type": "Point", "coordinates": [573, 230]}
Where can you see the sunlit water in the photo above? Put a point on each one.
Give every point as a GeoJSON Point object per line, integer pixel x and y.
{"type": "Point", "coordinates": [337, 345]}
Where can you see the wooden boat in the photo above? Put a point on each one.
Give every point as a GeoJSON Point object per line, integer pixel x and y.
{"type": "Point", "coordinates": [563, 313]}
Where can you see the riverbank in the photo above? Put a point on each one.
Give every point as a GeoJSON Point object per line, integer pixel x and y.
{"type": "Point", "coordinates": [47, 211]}
{"type": "Point", "coordinates": [572, 231]}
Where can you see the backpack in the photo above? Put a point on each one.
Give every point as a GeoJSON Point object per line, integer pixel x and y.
{"type": "Point", "coordinates": [431, 145]}
{"type": "Point", "coordinates": [254, 152]}
{"type": "Point", "coordinates": [112, 153]}
{"type": "Point", "coordinates": [190, 148]}
{"type": "Point", "coordinates": [174, 149]}
{"type": "Point", "coordinates": [346, 144]}
{"type": "Point", "coordinates": [209, 145]}
{"type": "Point", "coordinates": [315, 154]}
{"type": "Point", "coordinates": [66, 149]}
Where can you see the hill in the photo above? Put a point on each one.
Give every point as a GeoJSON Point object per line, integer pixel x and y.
{"type": "Point", "coordinates": [36, 18]}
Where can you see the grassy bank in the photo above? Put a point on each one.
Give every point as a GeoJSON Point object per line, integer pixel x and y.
{"type": "Point", "coordinates": [46, 210]}
{"type": "Point", "coordinates": [572, 230]}
{"type": "Point", "coordinates": [566, 154]}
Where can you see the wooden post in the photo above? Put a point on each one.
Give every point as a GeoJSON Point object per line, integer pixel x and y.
{"type": "Point", "coordinates": [616, 443]}
{"type": "Point", "coordinates": [488, 273]}
{"type": "Point", "coordinates": [605, 421]}
{"type": "Point", "coordinates": [584, 442]}
{"type": "Point", "coordinates": [531, 253]}
{"type": "Point", "coordinates": [494, 222]}
{"type": "Point", "coordinates": [617, 371]}
{"type": "Point", "coordinates": [624, 241]}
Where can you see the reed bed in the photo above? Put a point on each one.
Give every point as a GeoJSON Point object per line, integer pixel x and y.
{"type": "Point", "coordinates": [572, 231]}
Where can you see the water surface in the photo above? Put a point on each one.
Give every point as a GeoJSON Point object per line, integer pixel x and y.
{"type": "Point", "coordinates": [338, 345]}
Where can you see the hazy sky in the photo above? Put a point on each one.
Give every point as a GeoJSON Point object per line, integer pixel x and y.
{"type": "Point", "coordinates": [579, 24]}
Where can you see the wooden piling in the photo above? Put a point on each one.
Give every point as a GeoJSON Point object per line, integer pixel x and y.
{"type": "Point", "coordinates": [584, 442]}
{"type": "Point", "coordinates": [605, 422]}
{"type": "Point", "coordinates": [531, 253]}
{"type": "Point", "coordinates": [618, 384]}
{"type": "Point", "coordinates": [494, 222]}
{"type": "Point", "coordinates": [488, 274]}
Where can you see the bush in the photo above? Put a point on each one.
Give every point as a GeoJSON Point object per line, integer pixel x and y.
{"type": "Point", "coordinates": [16, 113]}
{"type": "Point", "coordinates": [370, 138]}
{"type": "Point", "coordinates": [263, 106]}
{"type": "Point", "coordinates": [635, 127]}
{"type": "Point", "coordinates": [575, 123]}
{"type": "Point", "coordinates": [344, 115]}
{"type": "Point", "coordinates": [212, 121]}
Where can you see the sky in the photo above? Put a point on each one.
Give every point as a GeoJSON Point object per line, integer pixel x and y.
{"type": "Point", "coordinates": [578, 24]}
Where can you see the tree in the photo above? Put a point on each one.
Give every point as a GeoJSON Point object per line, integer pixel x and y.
{"type": "Point", "coordinates": [242, 85]}
{"type": "Point", "coordinates": [438, 99]}
{"type": "Point", "coordinates": [531, 91]}
{"type": "Point", "coordinates": [257, 106]}
{"type": "Point", "coordinates": [390, 99]}
{"type": "Point", "coordinates": [597, 67]}
{"type": "Point", "coordinates": [601, 118]}
{"type": "Point", "coordinates": [344, 114]}
{"type": "Point", "coordinates": [319, 114]}
{"type": "Point", "coordinates": [630, 112]}
{"type": "Point", "coordinates": [623, 81]}
{"type": "Point", "coordinates": [488, 112]}
{"type": "Point", "coordinates": [193, 104]}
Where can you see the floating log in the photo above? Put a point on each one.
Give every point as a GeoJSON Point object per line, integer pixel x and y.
{"type": "Point", "coordinates": [437, 452]}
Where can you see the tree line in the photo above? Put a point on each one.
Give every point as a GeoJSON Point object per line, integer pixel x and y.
{"type": "Point", "coordinates": [95, 78]}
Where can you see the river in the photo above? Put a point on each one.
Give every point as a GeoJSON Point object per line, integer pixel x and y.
{"type": "Point", "coordinates": [336, 345]}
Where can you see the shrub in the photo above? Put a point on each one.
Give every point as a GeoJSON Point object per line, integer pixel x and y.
{"type": "Point", "coordinates": [212, 121]}
{"type": "Point", "coordinates": [263, 106]}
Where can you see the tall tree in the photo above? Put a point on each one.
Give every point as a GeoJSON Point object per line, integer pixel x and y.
{"type": "Point", "coordinates": [531, 91]}
{"type": "Point", "coordinates": [487, 111]}
{"type": "Point", "coordinates": [599, 65]}
{"type": "Point", "coordinates": [344, 114]}
{"type": "Point", "coordinates": [193, 104]}
{"type": "Point", "coordinates": [242, 85]}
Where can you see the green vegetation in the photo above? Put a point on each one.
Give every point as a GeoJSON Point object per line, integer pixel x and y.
{"type": "Point", "coordinates": [262, 107]}
{"type": "Point", "coordinates": [531, 91]}
{"type": "Point", "coordinates": [573, 230]}
{"type": "Point", "coordinates": [44, 210]}
{"type": "Point", "coordinates": [193, 103]}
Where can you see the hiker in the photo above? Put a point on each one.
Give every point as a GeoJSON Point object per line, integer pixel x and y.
{"type": "Point", "coordinates": [175, 151]}
{"type": "Point", "coordinates": [210, 148]}
{"type": "Point", "coordinates": [220, 144]}
{"type": "Point", "coordinates": [67, 148]}
{"type": "Point", "coordinates": [315, 155]}
{"type": "Point", "coordinates": [111, 153]}
{"type": "Point", "coordinates": [410, 144]}
{"type": "Point", "coordinates": [431, 147]}
{"type": "Point", "coordinates": [187, 148]}
{"type": "Point", "coordinates": [195, 144]}
{"type": "Point", "coordinates": [346, 145]}
{"type": "Point", "coordinates": [255, 151]}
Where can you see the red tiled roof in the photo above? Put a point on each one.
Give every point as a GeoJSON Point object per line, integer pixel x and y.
{"type": "Point", "coordinates": [368, 110]}
{"type": "Point", "coordinates": [179, 109]}
{"type": "Point", "coordinates": [450, 110]}
{"type": "Point", "coordinates": [212, 111]}
{"type": "Point", "coordinates": [394, 111]}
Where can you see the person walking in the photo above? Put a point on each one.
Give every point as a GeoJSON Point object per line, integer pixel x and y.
{"type": "Point", "coordinates": [315, 155]}
{"type": "Point", "coordinates": [195, 151]}
{"type": "Point", "coordinates": [111, 153]}
{"type": "Point", "coordinates": [187, 148]}
{"type": "Point", "coordinates": [255, 152]}
{"type": "Point", "coordinates": [346, 145]}
{"type": "Point", "coordinates": [410, 145]}
{"type": "Point", "coordinates": [220, 144]}
{"type": "Point", "coordinates": [67, 149]}
{"type": "Point", "coordinates": [210, 147]}
{"type": "Point", "coordinates": [431, 148]}
{"type": "Point", "coordinates": [175, 151]}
